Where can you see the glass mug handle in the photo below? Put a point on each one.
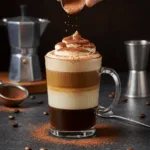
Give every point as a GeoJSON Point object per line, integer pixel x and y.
{"type": "Point", "coordinates": [116, 78]}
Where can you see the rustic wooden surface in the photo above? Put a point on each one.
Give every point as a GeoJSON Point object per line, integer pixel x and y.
{"type": "Point", "coordinates": [33, 87]}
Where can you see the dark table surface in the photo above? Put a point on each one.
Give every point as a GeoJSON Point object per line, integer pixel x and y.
{"type": "Point", "coordinates": [130, 135]}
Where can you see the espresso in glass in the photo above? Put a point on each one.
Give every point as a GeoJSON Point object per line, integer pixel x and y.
{"type": "Point", "coordinates": [73, 76]}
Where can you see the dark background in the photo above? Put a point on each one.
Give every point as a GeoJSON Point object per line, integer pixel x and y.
{"type": "Point", "coordinates": [108, 24]}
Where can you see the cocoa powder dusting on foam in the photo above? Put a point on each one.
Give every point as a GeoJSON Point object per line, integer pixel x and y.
{"type": "Point", "coordinates": [72, 49]}
{"type": "Point", "coordinates": [73, 6]}
{"type": "Point", "coordinates": [106, 134]}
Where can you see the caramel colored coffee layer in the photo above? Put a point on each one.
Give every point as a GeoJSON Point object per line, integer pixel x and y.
{"type": "Point", "coordinates": [72, 79]}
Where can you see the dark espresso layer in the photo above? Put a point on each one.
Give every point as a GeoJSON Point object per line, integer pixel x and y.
{"type": "Point", "coordinates": [72, 120]}
{"type": "Point", "coordinates": [72, 79]}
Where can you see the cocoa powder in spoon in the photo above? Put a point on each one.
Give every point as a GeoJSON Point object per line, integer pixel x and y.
{"type": "Point", "coordinates": [73, 6]}
{"type": "Point", "coordinates": [12, 92]}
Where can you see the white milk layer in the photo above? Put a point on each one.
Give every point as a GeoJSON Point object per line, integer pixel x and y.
{"type": "Point", "coordinates": [84, 99]}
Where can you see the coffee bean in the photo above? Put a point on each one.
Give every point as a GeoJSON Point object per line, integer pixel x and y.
{"type": "Point", "coordinates": [25, 61]}
{"type": "Point", "coordinates": [11, 117]}
{"type": "Point", "coordinates": [131, 148]}
{"type": "Point", "coordinates": [40, 102]}
{"type": "Point", "coordinates": [147, 103]}
{"type": "Point", "coordinates": [43, 149]}
{"type": "Point", "coordinates": [111, 96]}
{"type": "Point", "coordinates": [15, 124]}
{"type": "Point", "coordinates": [16, 111]}
{"type": "Point", "coordinates": [32, 97]}
{"type": "Point", "coordinates": [45, 113]}
{"type": "Point", "coordinates": [113, 93]}
{"type": "Point", "coordinates": [142, 116]}
{"type": "Point", "coordinates": [27, 148]}
{"type": "Point", "coordinates": [124, 99]}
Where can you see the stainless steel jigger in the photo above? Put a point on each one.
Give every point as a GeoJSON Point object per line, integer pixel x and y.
{"type": "Point", "coordinates": [137, 55]}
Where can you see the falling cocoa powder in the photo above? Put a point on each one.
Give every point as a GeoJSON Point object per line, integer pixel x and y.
{"type": "Point", "coordinates": [10, 109]}
{"type": "Point", "coordinates": [106, 134]}
{"type": "Point", "coordinates": [73, 6]}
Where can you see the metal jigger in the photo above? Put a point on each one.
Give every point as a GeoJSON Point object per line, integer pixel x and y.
{"type": "Point", "coordinates": [137, 55]}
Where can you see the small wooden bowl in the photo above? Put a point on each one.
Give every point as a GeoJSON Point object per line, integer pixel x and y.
{"type": "Point", "coordinates": [12, 95]}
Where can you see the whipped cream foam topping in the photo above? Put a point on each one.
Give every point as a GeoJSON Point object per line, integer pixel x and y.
{"type": "Point", "coordinates": [74, 47]}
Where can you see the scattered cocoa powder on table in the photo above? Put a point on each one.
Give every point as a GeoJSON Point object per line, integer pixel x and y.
{"type": "Point", "coordinates": [106, 134]}
{"type": "Point", "coordinates": [10, 109]}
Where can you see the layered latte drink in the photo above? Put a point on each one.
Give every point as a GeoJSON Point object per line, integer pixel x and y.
{"type": "Point", "coordinates": [73, 84]}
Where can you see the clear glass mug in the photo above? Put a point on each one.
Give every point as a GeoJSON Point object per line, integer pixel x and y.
{"type": "Point", "coordinates": [73, 95]}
